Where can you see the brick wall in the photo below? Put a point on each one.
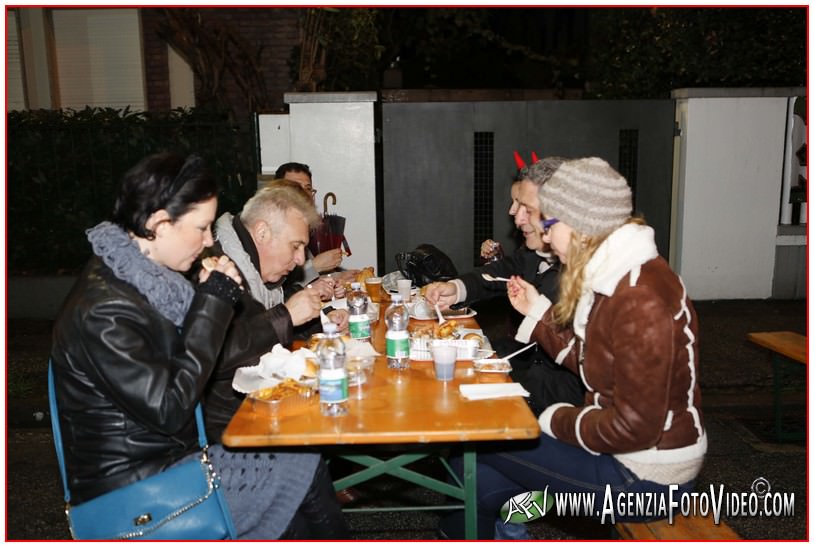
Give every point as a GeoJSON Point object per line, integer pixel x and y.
{"type": "Point", "coordinates": [156, 70]}
{"type": "Point", "coordinates": [276, 29]}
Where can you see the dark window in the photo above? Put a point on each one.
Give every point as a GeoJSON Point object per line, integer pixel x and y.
{"type": "Point", "coordinates": [629, 158]}
{"type": "Point", "coordinates": [484, 182]}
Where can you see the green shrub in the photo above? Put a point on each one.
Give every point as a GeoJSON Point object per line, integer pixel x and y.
{"type": "Point", "coordinates": [63, 170]}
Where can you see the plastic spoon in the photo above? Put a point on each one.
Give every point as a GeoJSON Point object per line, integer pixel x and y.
{"type": "Point", "coordinates": [488, 277]}
{"type": "Point", "coordinates": [518, 352]}
{"type": "Point", "coordinates": [440, 315]}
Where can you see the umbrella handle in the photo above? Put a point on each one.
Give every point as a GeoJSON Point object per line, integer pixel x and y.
{"type": "Point", "coordinates": [325, 202]}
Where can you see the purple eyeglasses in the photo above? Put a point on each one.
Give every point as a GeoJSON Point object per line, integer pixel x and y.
{"type": "Point", "coordinates": [548, 223]}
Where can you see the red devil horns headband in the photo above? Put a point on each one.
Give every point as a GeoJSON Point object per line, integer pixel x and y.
{"type": "Point", "coordinates": [519, 161]}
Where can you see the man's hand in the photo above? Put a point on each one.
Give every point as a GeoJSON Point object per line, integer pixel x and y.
{"type": "Point", "coordinates": [304, 306]}
{"type": "Point", "coordinates": [442, 293]}
{"type": "Point", "coordinates": [325, 286]}
{"type": "Point", "coordinates": [341, 318]}
{"type": "Point", "coordinates": [328, 261]}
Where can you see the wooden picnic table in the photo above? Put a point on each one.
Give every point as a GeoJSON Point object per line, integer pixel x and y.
{"type": "Point", "coordinates": [789, 349]}
{"type": "Point", "coordinates": [408, 411]}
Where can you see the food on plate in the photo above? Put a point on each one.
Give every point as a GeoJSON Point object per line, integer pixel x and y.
{"type": "Point", "coordinates": [209, 263]}
{"type": "Point", "coordinates": [311, 369]}
{"type": "Point", "coordinates": [364, 273]}
{"type": "Point", "coordinates": [447, 329]}
{"type": "Point", "coordinates": [423, 331]}
{"type": "Point", "coordinates": [314, 341]}
{"type": "Point", "coordinates": [286, 388]}
{"type": "Point", "coordinates": [474, 336]}
{"type": "Point", "coordinates": [492, 365]}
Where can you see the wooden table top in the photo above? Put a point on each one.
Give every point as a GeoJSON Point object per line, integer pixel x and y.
{"type": "Point", "coordinates": [792, 345]}
{"type": "Point", "coordinates": [408, 406]}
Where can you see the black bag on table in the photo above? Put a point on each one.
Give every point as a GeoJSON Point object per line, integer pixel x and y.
{"type": "Point", "coordinates": [425, 264]}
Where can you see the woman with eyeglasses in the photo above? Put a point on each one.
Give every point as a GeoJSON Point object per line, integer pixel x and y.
{"type": "Point", "coordinates": [136, 343]}
{"type": "Point", "coordinates": [625, 324]}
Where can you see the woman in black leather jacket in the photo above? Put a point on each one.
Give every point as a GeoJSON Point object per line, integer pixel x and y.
{"type": "Point", "coordinates": [136, 343]}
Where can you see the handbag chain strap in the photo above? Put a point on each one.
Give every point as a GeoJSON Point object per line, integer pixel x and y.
{"type": "Point", "coordinates": [52, 402]}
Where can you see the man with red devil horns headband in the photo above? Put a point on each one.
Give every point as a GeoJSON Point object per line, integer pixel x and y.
{"type": "Point", "coordinates": [546, 381]}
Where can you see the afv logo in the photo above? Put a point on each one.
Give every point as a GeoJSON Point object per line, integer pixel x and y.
{"type": "Point", "coordinates": [526, 507]}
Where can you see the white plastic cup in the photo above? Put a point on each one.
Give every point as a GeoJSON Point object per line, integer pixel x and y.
{"type": "Point", "coordinates": [405, 286]}
{"type": "Point", "coordinates": [443, 357]}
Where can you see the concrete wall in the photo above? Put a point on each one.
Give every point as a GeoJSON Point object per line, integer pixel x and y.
{"type": "Point", "coordinates": [334, 133]}
{"type": "Point", "coordinates": [728, 190]}
{"type": "Point", "coordinates": [428, 156]}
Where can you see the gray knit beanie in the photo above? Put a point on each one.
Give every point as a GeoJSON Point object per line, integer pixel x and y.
{"type": "Point", "coordinates": [588, 195]}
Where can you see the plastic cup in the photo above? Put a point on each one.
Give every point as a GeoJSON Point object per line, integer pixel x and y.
{"type": "Point", "coordinates": [405, 286]}
{"type": "Point", "coordinates": [443, 358]}
{"type": "Point", "coordinates": [373, 285]}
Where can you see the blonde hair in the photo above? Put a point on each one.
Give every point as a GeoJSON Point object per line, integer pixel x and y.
{"type": "Point", "coordinates": [580, 251]}
{"type": "Point", "coordinates": [273, 200]}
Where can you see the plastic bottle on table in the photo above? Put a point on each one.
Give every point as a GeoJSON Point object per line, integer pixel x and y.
{"type": "Point", "coordinates": [398, 341]}
{"type": "Point", "coordinates": [359, 323]}
{"type": "Point", "coordinates": [333, 378]}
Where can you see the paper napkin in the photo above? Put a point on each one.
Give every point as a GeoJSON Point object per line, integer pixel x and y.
{"type": "Point", "coordinates": [476, 392]}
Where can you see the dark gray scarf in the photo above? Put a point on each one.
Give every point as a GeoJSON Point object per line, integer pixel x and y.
{"type": "Point", "coordinates": [167, 291]}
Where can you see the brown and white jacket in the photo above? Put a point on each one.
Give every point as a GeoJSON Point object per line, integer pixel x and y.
{"type": "Point", "coordinates": [634, 343]}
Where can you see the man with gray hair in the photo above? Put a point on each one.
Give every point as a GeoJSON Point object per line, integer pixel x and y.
{"type": "Point", "coordinates": [547, 382]}
{"type": "Point", "coordinates": [266, 241]}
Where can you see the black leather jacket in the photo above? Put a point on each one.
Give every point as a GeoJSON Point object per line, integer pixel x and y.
{"type": "Point", "coordinates": [253, 332]}
{"type": "Point", "coordinates": [522, 262]}
{"type": "Point", "coordinates": [127, 380]}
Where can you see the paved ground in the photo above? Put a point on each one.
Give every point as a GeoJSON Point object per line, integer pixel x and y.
{"type": "Point", "coordinates": [736, 380]}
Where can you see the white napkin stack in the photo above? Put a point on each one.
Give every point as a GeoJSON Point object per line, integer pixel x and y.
{"type": "Point", "coordinates": [281, 363]}
{"type": "Point", "coordinates": [475, 392]}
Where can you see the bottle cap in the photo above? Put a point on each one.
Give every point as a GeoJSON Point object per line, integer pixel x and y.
{"type": "Point", "coordinates": [329, 328]}
{"type": "Point", "coordinates": [355, 285]}
{"type": "Point", "coordinates": [396, 298]}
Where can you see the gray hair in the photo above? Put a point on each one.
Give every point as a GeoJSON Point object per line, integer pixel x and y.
{"type": "Point", "coordinates": [540, 171]}
{"type": "Point", "coordinates": [271, 202]}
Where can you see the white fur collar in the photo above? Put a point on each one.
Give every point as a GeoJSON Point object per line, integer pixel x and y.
{"type": "Point", "coordinates": [624, 251]}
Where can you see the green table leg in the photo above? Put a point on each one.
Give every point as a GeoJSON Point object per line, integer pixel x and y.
{"type": "Point", "coordinates": [470, 493]}
{"type": "Point", "coordinates": [778, 363]}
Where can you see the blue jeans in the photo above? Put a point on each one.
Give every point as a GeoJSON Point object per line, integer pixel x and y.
{"type": "Point", "coordinates": [547, 462]}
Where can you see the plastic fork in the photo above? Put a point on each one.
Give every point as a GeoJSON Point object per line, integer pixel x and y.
{"type": "Point", "coordinates": [440, 315]}
{"type": "Point", "coordinates": [488, 277]}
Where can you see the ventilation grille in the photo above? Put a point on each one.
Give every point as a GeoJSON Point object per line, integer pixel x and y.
{"type": "Point", "coordinates": [484, 180]}
{"type": "Point", "coordinates": [629, 158]}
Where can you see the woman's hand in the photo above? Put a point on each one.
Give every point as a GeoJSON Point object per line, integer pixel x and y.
{"type": "Point", "coordinates": [522, 294]}
{"type": "Point", "coordinates": [341, 318]}
{"type": "Point", "coordinates": [442, 293]}
{"type": "Point", "coordinates": [327, 261]}
{"type": "Point", "coordinates": [222, 264]}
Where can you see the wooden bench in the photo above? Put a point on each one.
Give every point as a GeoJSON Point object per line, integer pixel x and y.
{"type": "Point", "coordinates": [788, 348]}
{"type": "Point", "coordinates": [683, 528]}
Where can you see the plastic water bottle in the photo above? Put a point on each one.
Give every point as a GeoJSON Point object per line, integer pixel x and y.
{"type": "Point", "coordinates": [333, 378]}
{"type": "Point", "coordinates": [398, 341]}
{"type": "Point", "coordinates": [359, 323]}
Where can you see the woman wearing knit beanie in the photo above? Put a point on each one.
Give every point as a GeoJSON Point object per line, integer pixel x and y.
{"type": "Point", "coordinates": [625, 324]}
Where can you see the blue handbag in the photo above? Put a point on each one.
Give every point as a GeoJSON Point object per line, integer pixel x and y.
{"type": "Point", "coordinates": [182, 502]}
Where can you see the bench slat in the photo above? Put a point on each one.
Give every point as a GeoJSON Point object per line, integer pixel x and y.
{"type": "Point", "coordinates": [790, 344]}
{"type": "Point", "coordinates": [683, 528]}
